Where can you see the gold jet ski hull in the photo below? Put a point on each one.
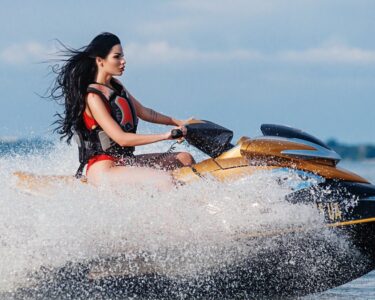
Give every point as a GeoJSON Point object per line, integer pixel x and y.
{"type": "Point", "coordinates": [252, 155]}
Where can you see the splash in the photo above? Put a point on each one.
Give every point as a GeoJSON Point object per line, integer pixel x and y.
{"type": "Point", "coordinates": [189, 235]}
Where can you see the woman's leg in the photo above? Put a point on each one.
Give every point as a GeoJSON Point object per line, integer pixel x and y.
{"type": "Point", "coordinates": [164, 161]}
{"type": "Point", "coordinates": [105, 172]}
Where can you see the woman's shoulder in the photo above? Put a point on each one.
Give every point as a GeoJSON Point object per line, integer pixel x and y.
{"type": "Point", "coordinates": [96, 100]}
{"type": "Point", "coordinates": [93, 97]}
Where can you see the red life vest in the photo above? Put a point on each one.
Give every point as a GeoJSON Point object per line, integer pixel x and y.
{"type": "Point", "coordinates": [96, 141]}
{"type": "Point", "coordinates": [122, 108]}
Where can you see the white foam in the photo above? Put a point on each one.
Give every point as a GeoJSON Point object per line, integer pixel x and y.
{"type": "Point", "coordinates": [187, 230]}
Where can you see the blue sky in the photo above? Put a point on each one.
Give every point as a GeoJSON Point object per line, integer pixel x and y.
{"type": "Point", "coordinates": [305, 63]}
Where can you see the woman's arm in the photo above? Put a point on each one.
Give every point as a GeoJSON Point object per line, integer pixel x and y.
{"type": "Point", "coordinates": [149, 115]}
{"type": "Point", "coordinates": [114, 131]}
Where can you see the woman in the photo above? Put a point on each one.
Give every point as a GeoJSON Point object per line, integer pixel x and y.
{"type": "Point", "coordinates": [102, 116]}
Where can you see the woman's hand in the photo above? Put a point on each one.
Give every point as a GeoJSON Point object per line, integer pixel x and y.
{"type": "Point", "coordinates": [181, 139]}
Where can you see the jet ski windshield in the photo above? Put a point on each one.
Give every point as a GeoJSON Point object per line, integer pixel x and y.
{"type": "Point", "coordinates": [209, 137]}
{"type": "Point", "coordinates": [289, 132]}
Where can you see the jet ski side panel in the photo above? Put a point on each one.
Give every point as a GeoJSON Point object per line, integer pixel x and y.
{"type": "Point", "coordinates": [188, 174]}
{"type": "Point", "coordinates": [231, 174]}
{"type": "Point", "coordinates": [340, 201]}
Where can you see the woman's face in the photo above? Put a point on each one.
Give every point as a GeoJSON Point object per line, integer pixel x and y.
{"type": "Point", "coordinates": [114, 63]}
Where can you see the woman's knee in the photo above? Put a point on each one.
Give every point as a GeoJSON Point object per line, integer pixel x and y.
{"type": "Point", "coordinates": [185, 158]}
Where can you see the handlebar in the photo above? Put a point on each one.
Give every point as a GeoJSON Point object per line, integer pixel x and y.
{"type": "Point", "coordinates": [177, 133]}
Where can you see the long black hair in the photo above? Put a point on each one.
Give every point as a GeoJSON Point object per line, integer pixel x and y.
{"type": "Point", "coordinates": [77, 71]}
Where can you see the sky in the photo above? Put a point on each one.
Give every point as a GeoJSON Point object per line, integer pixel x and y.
{"type": "Point", "coordinates": [309, 64]}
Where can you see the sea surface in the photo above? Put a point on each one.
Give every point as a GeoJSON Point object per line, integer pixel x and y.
{"type": "Point", "coordinates": [49, 235]}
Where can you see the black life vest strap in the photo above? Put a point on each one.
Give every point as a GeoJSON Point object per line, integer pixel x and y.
{"type": "Point", "coordinates": [94, 88]}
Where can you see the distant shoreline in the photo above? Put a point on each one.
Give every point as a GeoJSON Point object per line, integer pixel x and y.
{"type": "Point", "coordinates": [352, 152]}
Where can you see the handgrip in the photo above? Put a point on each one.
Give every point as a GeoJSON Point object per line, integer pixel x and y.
{"type": "Point", "coordinates": [177, 133]}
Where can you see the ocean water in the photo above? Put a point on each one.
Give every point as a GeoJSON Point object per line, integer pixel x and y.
{"type": "Point", "coordinates": [72, 240]}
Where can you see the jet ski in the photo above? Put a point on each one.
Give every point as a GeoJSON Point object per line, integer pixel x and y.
{"type": "Point", "coordinates": [346, 199]}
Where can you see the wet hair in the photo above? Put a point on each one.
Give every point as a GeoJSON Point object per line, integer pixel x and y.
{"type": "Point", "coordinates": [74, 72]}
